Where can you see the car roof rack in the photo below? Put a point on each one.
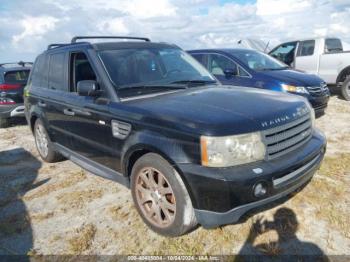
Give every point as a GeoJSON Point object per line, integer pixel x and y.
{"type": "Point", "coordinates": [20, 63]}
{"type": "Point", "coordinates": [51, 46]}
{"type": "Point", "coordinates": [74, 39]}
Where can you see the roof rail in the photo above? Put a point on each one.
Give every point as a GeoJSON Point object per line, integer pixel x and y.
{"type": "Point", "coordinates": [55, 45]}
{"type": "Point", "coordinates": [20, 63]}
{"type": "Point", "coordinates": [74, 39]}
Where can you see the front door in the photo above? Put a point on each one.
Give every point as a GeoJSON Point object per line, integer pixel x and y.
{"type": "Point", "coordinates": [217, 64]}
{"type": "Point", "coordinates": [87, 118]}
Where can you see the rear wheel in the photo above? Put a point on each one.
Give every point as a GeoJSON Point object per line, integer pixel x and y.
{"type": "Point", "coordinates": [346, 89]}
{"type": "Point", "coordinates": [161, 197]}
{"type": "Point", "coordinates": [4, 122]}
{"type": "Point", "coordinates": [44, 144]}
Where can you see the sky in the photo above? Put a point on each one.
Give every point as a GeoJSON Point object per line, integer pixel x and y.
{"type": "Point", "coordinates": [27, 27]}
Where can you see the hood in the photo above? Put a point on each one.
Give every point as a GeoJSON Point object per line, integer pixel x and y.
{"type": "Point", "coordinates": [293, 77]}
{"type": "Point", "coordinates": [219, 111]}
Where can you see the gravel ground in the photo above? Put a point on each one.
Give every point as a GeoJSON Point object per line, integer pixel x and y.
{"type": "Point", "coordinates": [61, 209]}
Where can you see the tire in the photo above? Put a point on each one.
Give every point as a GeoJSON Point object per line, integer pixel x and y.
{"type": "Point", "coordinates": [176, 220]}
{"type": "Point", "coordinates": [44, 145]}
{"type": "Point", "coordinates": [4, 122]}
{"type": "Point", "coordinates": [345, 89]}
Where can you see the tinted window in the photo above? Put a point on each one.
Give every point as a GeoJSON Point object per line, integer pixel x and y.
{"type": "Point", "coordinates": [218, 64]}
{"type": "Point", "coordinates": [306, 48]}
{"type": "Point", "coordinates": [56, 72]}
{"type": "Point", "coordinates": [333, 45]}
{"type": "Point", "coordinates": [17, 77]}
{"type": "Point", "coordinates": [285, 52]}
{"type": "Point", "coordinates": [39, 72]}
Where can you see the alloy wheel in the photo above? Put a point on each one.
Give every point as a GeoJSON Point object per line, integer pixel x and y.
{"type": "Point", "coordinates": [41, 140]}
{"type": "Point", "coordinates": [155, 197]}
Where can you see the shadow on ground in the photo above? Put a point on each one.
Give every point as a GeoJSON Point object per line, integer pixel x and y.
{"type": "Point", "coordinates": [18, 172]}
{"type": "Point", "coordinates": [287, 247]}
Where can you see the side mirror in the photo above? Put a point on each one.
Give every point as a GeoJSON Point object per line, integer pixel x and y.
{"type": "Point", "coordinates": [88, 88]}
{"type": "Point", "coordinates": [229, 72]}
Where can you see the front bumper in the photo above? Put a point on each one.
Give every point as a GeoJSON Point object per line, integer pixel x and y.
{"type": "Point", "coordinates": [7, 111]}
{"type": "Point", "coordinates": [222, 195]}
{"type": "Point", "coordinates": [319, 103]}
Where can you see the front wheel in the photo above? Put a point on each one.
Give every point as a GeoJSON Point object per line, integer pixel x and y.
{"type": "Point", "coordinates": [161, 197]}
{"type": "Point", "coordinates": [44, 144]}
{"type": "Point", "coordinates": [345, 89]}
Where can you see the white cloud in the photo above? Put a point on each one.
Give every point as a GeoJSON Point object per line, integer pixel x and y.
{"type": "Point", "coordinates": [32, 25]}
{"type": "Point", "coordinates": [278, 7]}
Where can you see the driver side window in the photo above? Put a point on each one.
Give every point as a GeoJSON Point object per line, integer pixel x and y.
{"type": "Point", "coordinates": [285, 52]}
{"type": "Point", "coordinates": [80, 69]}
{"type": "Point", "coordinates": [218, 64]}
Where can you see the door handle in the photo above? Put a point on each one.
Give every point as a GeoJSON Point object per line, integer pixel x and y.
{"type": "Point", "coordinates": [68, 112]}
{"type": "Point", "coordinates": [81, 112]}
{"type": "Point", "coordinates": [42, 104]}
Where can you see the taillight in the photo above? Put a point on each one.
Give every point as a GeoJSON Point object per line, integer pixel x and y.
{"type": "Point", "coordinates": [4, 87]}
{"type": "Point", "coordinates": [6, 101]}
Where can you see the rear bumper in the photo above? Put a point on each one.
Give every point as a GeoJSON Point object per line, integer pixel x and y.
{"type": "Point", "coordinates": [222, 195]}
{"type": "Point", "coordinates": [7, 111]}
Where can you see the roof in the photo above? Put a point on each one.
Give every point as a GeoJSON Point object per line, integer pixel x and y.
{"type": "Point", "coordinates": [15, 66]}
{"type": "Point", "coordinates": [223, 50]}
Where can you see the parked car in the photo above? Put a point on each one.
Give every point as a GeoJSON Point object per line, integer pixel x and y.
{"type": "Point", "coordinates": [320, 56]}
{"type": "Point", "coordinates": [150, 117]}
{"type": "Point", "coordinates": [251, 68]}
{"type": "Point", "coordinates": [13, 77]}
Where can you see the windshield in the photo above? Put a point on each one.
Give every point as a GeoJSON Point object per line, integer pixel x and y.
{"type": "Point", "coordinates": [152, 67]}
{"type": "Point", "coordinates": [257, 60]}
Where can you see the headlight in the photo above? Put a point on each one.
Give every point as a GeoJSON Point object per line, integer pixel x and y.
{"type": "Point", "coordinates": [228, 151]}
{"type": "Point", "coordinates": [294, 89]}
{"type": "Point", "coordinates": [312, 113]}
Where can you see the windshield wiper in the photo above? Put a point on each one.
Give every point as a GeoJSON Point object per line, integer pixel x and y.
{"type": "Point", "coordinates": [195, 82]}
{"type": "Point", "coordinates": [160, 86]}
{"type": "Point", "coordinates": [272, 69]}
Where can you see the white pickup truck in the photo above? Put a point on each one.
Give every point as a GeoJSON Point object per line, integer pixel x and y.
{"type": "Point", "coordinates": [324, 57]}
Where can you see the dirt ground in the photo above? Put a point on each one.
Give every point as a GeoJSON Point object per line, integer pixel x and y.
{"type": "Point", "coordinates": [61, 209]}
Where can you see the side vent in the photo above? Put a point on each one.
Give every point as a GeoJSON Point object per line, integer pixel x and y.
{"type": "Point", "coordinates": [120, 129]}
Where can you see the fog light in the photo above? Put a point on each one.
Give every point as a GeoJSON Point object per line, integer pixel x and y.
{"type": "Point", "coordinates": [260, 190]}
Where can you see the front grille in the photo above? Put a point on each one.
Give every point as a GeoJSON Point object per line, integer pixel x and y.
{"type": "Point", "coordinates": [318, 90]}
{"type": "Point", "coordinates": [286, 138]}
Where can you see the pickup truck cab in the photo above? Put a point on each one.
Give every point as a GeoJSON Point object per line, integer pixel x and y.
{"type": "Point", "coordinates": [324, 57]}
{"type": "Point", "coordinates": [150, 117]}
{"type": "Point", "coordinates": [13, 78]}
{"type": "Point", "coordinates": [251, 68]}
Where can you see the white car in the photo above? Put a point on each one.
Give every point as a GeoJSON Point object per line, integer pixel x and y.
{"type": "Point", "coordinates": [324, 57]}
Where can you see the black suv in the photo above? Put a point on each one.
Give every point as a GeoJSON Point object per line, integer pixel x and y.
{"type": "Point", "coordinates": [13, 77]}
{"type": "Point", "coordinates": [149, 116]}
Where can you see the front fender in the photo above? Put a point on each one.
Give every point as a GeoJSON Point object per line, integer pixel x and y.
{"type": "Point", "coordinates": [174, 150]}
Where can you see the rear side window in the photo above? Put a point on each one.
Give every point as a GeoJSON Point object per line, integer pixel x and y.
{"type": "Point", "coordinates": [17, 77]}
{"type": "Point", "coordinates": [333, 45]}
{"type": "Point", "coordinates": [56, 72]}
{"type": "Point", "coordinates": [39, 72]}
{"type": "Point", "coordinates": [306, 48]}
